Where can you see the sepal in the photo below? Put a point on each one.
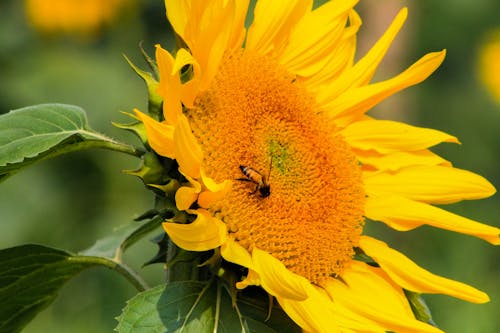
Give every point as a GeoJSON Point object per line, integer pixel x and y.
{"type": "Point", "coordinates": [150, 61]}
{"type": "Point", "coordinates": [419, 307]}
{"type": "Point", "coordinates": [161, 241]}
{"type": "Point", "coordinates": [154, 99]}
{"type": "Point", "coordinates": [169, 189]}
{"type": "Point", "coordinates": [136, 127]}
{"type": "Point", "coordinates": [151, 170]}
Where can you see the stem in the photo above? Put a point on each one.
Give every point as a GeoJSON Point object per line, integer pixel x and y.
{"type": "Point", "coordinates": [124, 270]}
{"type": "Point", "coordinates": [105, 142]}
{"type": "Point", "coordinates": [122, 148]}
{"type": "Point", "coordinates": [217, 309]}
{"type": "Point", "coordinates": [69, 148]}
{"type": "Point", "coordinates": [109, 145]}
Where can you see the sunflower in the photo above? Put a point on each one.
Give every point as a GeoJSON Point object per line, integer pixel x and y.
{"type": "Point", "coordinates": [488, 64]}
{"type": "Point", "coordinates": [80, 17]}
{"type": "Point", "coordinates": [282, 165]}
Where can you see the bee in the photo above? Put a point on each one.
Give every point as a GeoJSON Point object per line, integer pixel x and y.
{"type": "Point", "coordinates": [260, 180]}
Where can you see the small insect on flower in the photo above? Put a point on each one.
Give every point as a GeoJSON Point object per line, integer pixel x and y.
{"type": "Point", "coordinates": [261, 181]}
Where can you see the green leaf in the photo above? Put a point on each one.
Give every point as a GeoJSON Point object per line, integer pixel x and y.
{"type": "Point", "coordinates": [31, 276]}
{"type": "Point", "coordinates": [199, 307]}
{"type": "Point", "coordinates": [114, 245]}
{"type": "Point", "coordinates": [42, 131]}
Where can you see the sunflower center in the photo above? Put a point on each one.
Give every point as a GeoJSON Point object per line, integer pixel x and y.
{"type": "Point", "coordinates": [258, 127]}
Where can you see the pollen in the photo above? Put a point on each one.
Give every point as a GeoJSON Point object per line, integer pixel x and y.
{"type": "Point", "coordinates": [256, 115]}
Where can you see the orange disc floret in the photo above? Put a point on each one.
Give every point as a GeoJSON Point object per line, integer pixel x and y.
{"type": "Point", "coordinates": [254, 114]}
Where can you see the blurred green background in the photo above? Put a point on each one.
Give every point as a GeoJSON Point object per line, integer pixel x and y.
{"type": "Point", "coordinates": [71, 201]}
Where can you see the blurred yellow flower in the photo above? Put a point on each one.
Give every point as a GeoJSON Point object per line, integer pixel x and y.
{"type": "Point", "coordinates": [282, 164]}
{"type": "Point", "coordinates": [79, 17]}
{"type": "Point", "coordinates": [489, 64]}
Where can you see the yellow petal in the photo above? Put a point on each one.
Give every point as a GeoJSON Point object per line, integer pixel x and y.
{"type": "Point", "coordinates": [252, 279]}
{"type": "Point", "coordinates": [204, 233]}
{"type": "Point", "coordinates": [160, 135]}
{"type": "Point", "coordinates": [182, 58]}
{"type": "Point", "coordinates": [431, 184]}
{"type": "Point", "coordinates": [315, 38]}
{"type": "Point", "coordinates": [211, 185]}
{"type": "Point", "coordinates": [371, 160]}
{"type": "Point", "coordinates": [410, 276]}
{"type": "Point", "coordinates": [233, 252]}
{"type": "Point", "coordinates": [340, 60]}
{"type": "Point", "coordinates": [189, 90]}
{"type": "Point", "coordinates": [314, 314]}
{"type": "Point", "coordinates": [238, 29]}
{"type": "Point", "coordinates": [386, 136]}
{"type": "Point", "coordinates": [357, 101]}
{"type": "Point", "coordinates": [367, 292]}
{"type": "Point", "coordinates": [170, 85]}
{"type": "Point", "coordinates": [185, 197]}
{"type": "Point", "coordinates": [404, 214]}
{"type": "Point", "coordinates": [213, 39]}
{"type": "Point", "coordinates": [177, 13]}
{"type": "Point", "coordinates": [215, 191]}
{"type": "Point", "coordinates": [209, 28]}
{"type": "Point", "coordinates": [362, 72]}
{"type": "Point", "coordinates": [273, 22]}
{"type": "Point", "coordinates": [276, 279]}
{"type": "Point", "coordinates": [207, 198]}
{"type": "Point", "coordinates": [188, 152]}
{"type": "Point", "coordinates": [367, 286]}
{"type": "Point", "coordinates": [212, 34]}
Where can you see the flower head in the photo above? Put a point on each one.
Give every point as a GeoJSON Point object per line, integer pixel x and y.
{"type": "Point", "coordinates": [282, 107]}
{"type": "Point", "coordinates": [79, 17]}
{"type": "Point", "coordinates": [489, 64]}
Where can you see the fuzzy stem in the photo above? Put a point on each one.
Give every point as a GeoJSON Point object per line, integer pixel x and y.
{"type": "Point", "coordinates": [124, 270]}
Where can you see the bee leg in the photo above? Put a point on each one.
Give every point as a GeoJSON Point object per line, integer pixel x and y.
{"type": "Point", "coordinates": [251, 181]}
{"type": "Point", "coordinates": [244, 180]}
{"type": "Point", "coordinates": [256, 189]}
